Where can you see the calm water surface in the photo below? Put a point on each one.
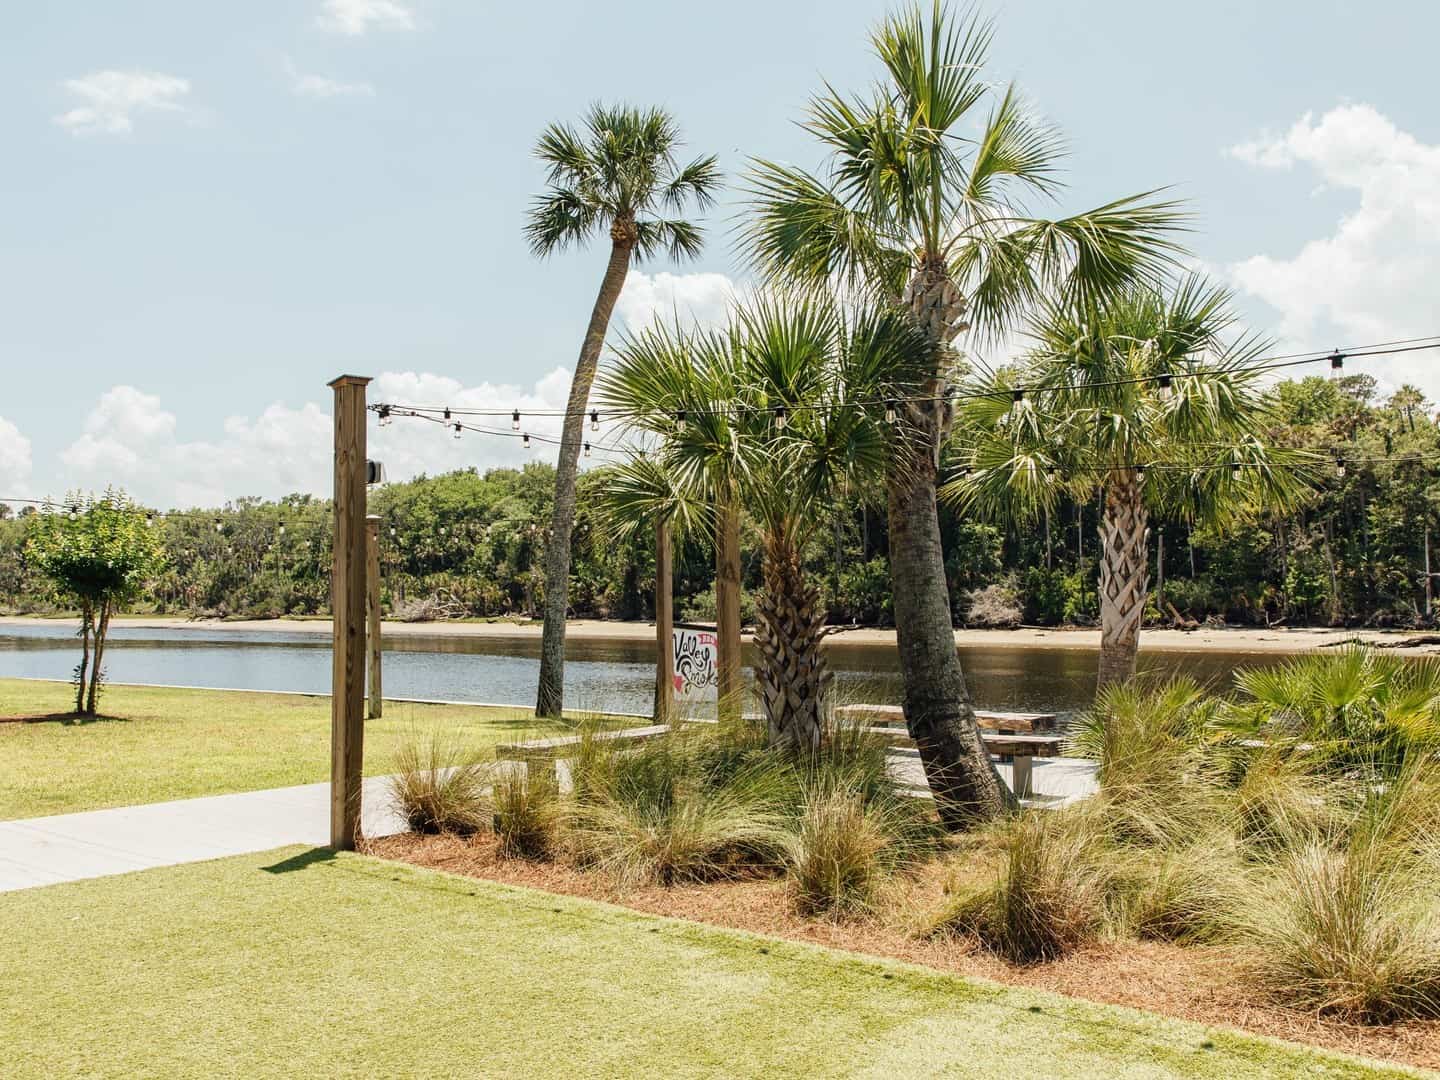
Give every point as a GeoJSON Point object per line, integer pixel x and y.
{"type": "Point", "coordinates": [609, 676]}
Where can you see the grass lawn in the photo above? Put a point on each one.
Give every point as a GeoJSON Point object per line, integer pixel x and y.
{"type": "Point", "coordinates": [154, 745]}
{"type": "Point", "coordinates": [299, 962]}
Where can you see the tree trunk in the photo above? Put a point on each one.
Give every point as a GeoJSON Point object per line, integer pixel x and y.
{"type": "Point", "coordinates": [727, 610]}
{"type": "Point", "coordinates": [938, 712]}
{"type": "Point", "coordinates": [664, 624]}
{"type": "Point", "coordinates": [1124, 575]}
{"type": "Point", "coordinates": [101, 629]}
{"type": "Point", "coordinates": [550, 697]}
{"type": "Point", "coordinates": [792, 674]}
{"type": "Point", "coordinates": [83, 671]}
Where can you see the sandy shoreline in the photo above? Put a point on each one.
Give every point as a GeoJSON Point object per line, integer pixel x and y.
{"type": "Point", "coordinates": [1274, 640]}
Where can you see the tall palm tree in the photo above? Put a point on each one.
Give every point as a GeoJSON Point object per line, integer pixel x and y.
{"type": "Point", "coordinates": [1143, 398]}
{"type": "Point", "coordinates": [769, 414]}
{"type": "Point", "coordinates": [620, 173]}
{"type": "Point", "coordinates": [924, 208]}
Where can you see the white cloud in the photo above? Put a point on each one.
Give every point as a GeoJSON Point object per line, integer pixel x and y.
{"type": "Point", "coordinates": [1373, 277]}
{"type": "Point", "coordinates": [704, 297]}
{"type": "Point", "coordinates": [318, 86]}
{"type": "Point", "coordinates": [130, 440]}
{"type": "Point", "coordinates": [112, 98]}
{"type": "Point", "coordinates": [355, 17]}
{"type": "Point", "coordinates": [14, 461]}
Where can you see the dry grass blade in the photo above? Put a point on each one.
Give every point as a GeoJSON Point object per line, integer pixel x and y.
{"type": "Point", "coordinates": [439, 785]}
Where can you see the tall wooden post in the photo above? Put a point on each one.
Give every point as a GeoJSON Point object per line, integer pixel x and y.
{"type": "Point", "coordinates": [664, 624]}
{"type": "Point", "coordinates": [727, 609]}
{"type": "Point", "coordinates": [374, 699]}
{"type": "Point", "coordinates": [347, 602]}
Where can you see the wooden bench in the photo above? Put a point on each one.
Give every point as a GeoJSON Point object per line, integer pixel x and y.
{"type": "Point", "coordinates": [548, 752]}
{"type": "Point", "coordinates": [1009, 723]}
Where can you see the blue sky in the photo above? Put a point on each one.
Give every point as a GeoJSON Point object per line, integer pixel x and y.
{"type": "Point", "coordinates": [207, 210]}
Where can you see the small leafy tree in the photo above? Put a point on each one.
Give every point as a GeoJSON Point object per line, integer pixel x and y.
{"type": "Point", "coordinates": [100, 552]}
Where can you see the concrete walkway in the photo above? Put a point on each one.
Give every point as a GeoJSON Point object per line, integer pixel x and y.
{"type": "Point", "coordinates": [69, 847]}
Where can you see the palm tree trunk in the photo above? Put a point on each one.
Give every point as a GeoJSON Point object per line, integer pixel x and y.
{"type": "Point", "coordinates": [938, 712]}
{"type": "Point", "coordinates": [1124, 575]}
{"type": "Point", "coordinates": [550, 697]}
{"type": "Point", "coordinates": [792, 674]}
{"type": "Point", "coordinates": [727, 609]}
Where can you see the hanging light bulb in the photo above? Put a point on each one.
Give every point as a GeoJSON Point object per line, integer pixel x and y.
{"type": "Point", "coordinates": [1053, 472]}
{"type": "Point", "coordinates": [392, 532]}
{"type": "Point", "coordinates": [282, 528]}
{"type": "Point", "coordinates": [219, 526]}
{"type": "Point", "coordinates": [150, 519]}
{"type": "Point", "coordinates": [1337, 364]}
{"type": "Point", "coordinates": [1165, 387]}
{"type": "Point", "coordinates": [384, 415]}
{"type": "Point", "coordinates": [1017, 395]}
{"type": "Point", "coordinates": [1235, 470]}
{"type": "Point", "coordinates": [1140, 471]}
{"type": "Point", "coordinates": [1339, 464]}
{"type": "Point", "coordinates": [890, 409]}
{"type": "Point", "coordinates": [447, 414]}
{"type": "Point", "coordinates": [525, 439]}
{"type": "Point", "coordinates": [594, 420]}
{"type": "Point", "coordinates": [457, 429]}
{"type": "Point", "coordinates": [781, 417]}
{"type": "Point", "coordinates": [680, 421]}
{"type": "Point", "coordinates": [515, 420]}
{"type": "Point", "coordinates": [587, 449]}
{"type": "Point", "coordinates": [74, 512]}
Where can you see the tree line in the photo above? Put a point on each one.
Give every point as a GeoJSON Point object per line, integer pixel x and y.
{"type": "Point", "coordinates": [468, 544]}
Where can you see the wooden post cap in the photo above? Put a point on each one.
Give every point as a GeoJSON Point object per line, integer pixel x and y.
{"type": "Point", "coordinates": [349, 380]}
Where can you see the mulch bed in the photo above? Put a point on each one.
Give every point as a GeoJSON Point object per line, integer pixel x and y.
{"type": "Point", "coordinates": [1199, 984]}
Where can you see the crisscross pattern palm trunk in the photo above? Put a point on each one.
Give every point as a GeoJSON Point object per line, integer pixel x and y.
{"type": "Point", "coordinates": [1124, 575]}
{"type": "Point", "coordinates": [792, 673]}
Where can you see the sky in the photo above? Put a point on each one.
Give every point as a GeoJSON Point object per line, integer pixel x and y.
{"type": "Point", "coordinates": [207, 211]}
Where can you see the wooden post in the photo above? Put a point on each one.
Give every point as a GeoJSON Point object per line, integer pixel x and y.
{"type": "Point", "coordinates": [347, 602]}
{"type": "Point", "coordinates": [374, 699]}
{"type": "Point", "coordinates": [727, 609]}
{"type": "Point", "coordinates": [664, 624]}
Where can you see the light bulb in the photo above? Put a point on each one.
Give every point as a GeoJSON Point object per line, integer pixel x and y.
{"type": "Point", "coordinates": [526, 440]}
{"type": "Point", "coordinates": [457, 429]}
{"type": "Point", "coordinates": [781, 416]}
{"type": "Point", "coordinates": [890, 411]}
{"type": "Point", "coordinates": [515, 420]}
{"type": "Point", "coordinates": [1164, 387]}
{"type": "Point", "coordinates": [680, 421]}
{"type": "Point", "coordinates": [447, 414]}
{"type": "Point", "coordinates": [282, 528]}
{"type": "Point", "coordinates": [587, 449]}
{"type": "Point", "coordinates": [384, 415]}
{"type": "Point", "coordinates": [1017, 396]}
{"type": "Point", "coordinates": [594, 420]}
{"type": "Point", "coordinates": [1337, 364]}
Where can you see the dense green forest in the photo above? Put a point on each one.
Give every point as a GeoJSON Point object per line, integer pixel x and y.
{"type": "Point", "coordinates": [469, 544]}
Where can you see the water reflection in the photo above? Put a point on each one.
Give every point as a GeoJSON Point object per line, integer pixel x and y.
{"type": "Point", "coordinates": [600, 675]}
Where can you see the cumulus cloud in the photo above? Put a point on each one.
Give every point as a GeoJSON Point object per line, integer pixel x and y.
{"type": "Point", "coordinates": [130, 440]}
{"type": "Point", "coordinates": [355, 17]}
{"type": "Point", "coordinates": [1372, 277]}
{"type": "Point", "coordinates": [110, 100]}
{"type": "Point", "coordinates": [700, 297]}
{"type": "Point", "coordinates": [318, 86]}
{"type": "Point", "coordinates": [15, 461]}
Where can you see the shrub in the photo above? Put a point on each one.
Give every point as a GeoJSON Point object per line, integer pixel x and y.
{"type": "Point", "coordinates": [439, 786]}
{"type": "Point", "coordinates": [1185, 894]}
{"type": "Point", "coordinates": [527, 814]}
{"type": "Point", "coordinates": [1044, 593]}
{"type": "Point", "coordinates": [843, 848]}
{"type": "Point", "coordinates": [993, 607]}
{"type": "Point", "coordinates": [864, 594]}
{"type": "Point", "coordinates": [1048, 893]}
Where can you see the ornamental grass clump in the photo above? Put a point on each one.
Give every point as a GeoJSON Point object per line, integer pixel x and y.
{"type": "Point", "coordinates": [1048, 891]}
{"type": "Point", "coordinates": [439, 786]}
{"type": "Point", "coordinates": [845, 847]}
{"type": "Point", "coordinates": [527, 813]}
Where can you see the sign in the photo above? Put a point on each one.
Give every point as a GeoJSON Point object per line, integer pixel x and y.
{"type": "Point", "coordinates": [696, 656]}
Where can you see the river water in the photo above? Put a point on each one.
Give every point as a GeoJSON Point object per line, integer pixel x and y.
{"type": "Point", "coordinates": [610, 676]}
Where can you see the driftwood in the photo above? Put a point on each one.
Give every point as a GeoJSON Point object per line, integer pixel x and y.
{"type": "Point", "coordinates": [1414, 641]}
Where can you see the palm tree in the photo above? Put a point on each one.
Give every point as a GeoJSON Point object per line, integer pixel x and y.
{"type": "Point", "coordinates": [620, 172]}
{"type": "Point", "coordinates": [925, 212]}
{"type": "Point", "coordinates": [769, 415]}
{"type": "Point", "coordinates": [1142, 397]}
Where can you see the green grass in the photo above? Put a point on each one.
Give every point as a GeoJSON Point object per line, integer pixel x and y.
{"type": "Point", "coordinates": [300, 963]}
{"type": "Point", "coordinates": [155, 745]}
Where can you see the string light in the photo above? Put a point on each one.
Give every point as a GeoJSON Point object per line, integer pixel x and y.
{"type": "Point", "coordinates": [515, 420]}
{"type": "Point", "coordinates": [526, 440]}
{"type": "Point", "coordinates": [890, 407]}
{"type": "Point", "coordinates": [457, 429]}
{"type": "Point", "coordinates": [1235, 470]}
{"type": "Point", "coordinates": [1337, 364]}
{"type": "Point", "coordinates": [594, 420]}
{"type": "Point", "coordinates": [149, 519]}
{"type": "Point", "coordinates": [680, 421]}
{"type": "Point", "coordinates": [282, 528]}
{"type": "Point", "coordinates": [587, 449]}
{"type": "Point", "coordinates": [384, 415]}
{"type": "Point", "coordinates": [781, 416]}
{"type": "Point", "coordinates": [1339, 464]}
{"type": "Point", "coordinates": [1165, 387]}
{"type": "Point", "coordinates": [1017, 395]}
{"type": "Point", "coordinates": [447, 413]}
{"type": "Point", "coordinates": [219, 526]}
{"type": "Point", "coordinates": [1140, 472]}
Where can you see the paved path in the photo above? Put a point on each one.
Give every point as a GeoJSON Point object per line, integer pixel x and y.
{"type": "Point", "coordinates": [68, 847]}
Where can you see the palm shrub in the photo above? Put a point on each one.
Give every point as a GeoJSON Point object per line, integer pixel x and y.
{"type": "Point", "coordinates": [439, 785]}
{"type": "Point", "coordinates": [1354, 710]}
{"type": "Point", "coordinates": [619, 174]}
